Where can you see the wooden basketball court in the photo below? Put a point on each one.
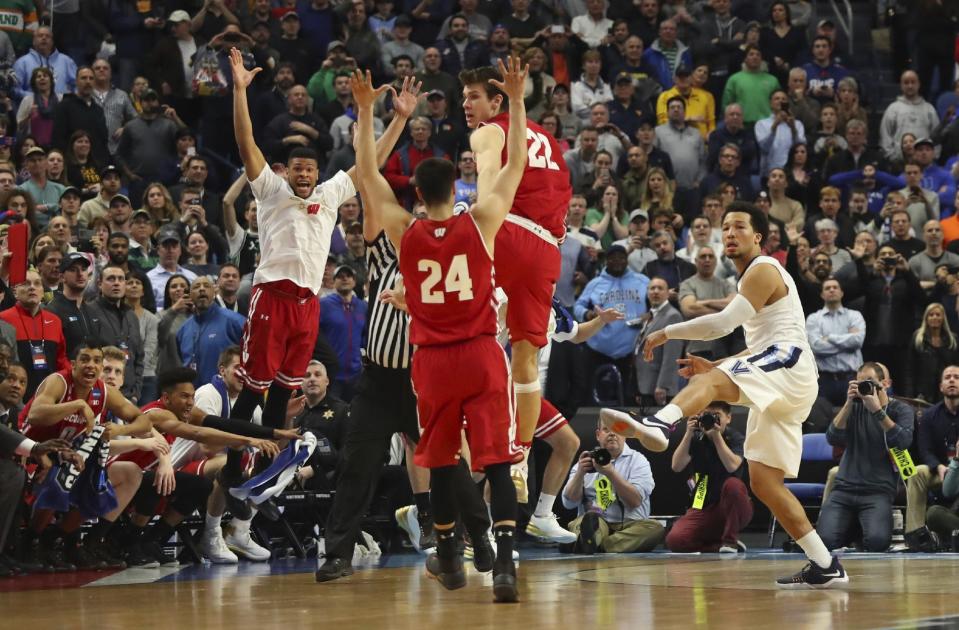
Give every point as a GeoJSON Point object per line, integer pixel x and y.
{"type": "Point", "coordinates": [626, 591]}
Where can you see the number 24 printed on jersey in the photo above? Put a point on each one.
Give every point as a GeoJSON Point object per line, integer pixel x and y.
{"type": "Point", "coordinates": [457, 280]}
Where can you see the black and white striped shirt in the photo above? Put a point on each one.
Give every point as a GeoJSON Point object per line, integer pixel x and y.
{"type": "Point", "coordinates": [387, 332]}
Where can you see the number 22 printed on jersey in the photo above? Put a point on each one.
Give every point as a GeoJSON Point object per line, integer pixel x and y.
{"type": "Point", "coordinates": [540, 151]}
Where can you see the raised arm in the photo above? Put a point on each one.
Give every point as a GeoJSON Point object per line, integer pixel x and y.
{"type": "Point", "coordinates": [376, 192]}
{"type": "Point", "coordinates": [229, 205]}
{"type": "Point", "coordinates": [494, 203]}
{"type": "Point", "coordinates": [253, 160]}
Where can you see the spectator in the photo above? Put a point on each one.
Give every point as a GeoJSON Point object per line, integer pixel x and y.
{"type": "Point", "coordinates": [611, 138]}
{"type": "Point", "coordinates": [732, 131]}
{"type": "Point", "coordinates": [349, 213]}
{"type": "Point", "coordinates": [355, 256]}
{"type": "Point", "coordinates": [149, 326]}
{"type": "Point", "coordinates": [922, 204]}
{"type": "Point", "coordinates": [401, 164]}
{"type": "Point", "coordinates": [867, 427]}
{"type": "Point", "coordinates": [196, 174]}
{"type": "Point", "coordinates": [342, 322]}
{"type": "Point", "coordinates": [67, 303]}
{"type": "Point", "coordinates": [700, 234]}
{"type": "Point", "coordinates": [700, 108]}
{"type": "Point", "coordinates": [827, 138]}
{"type": "Point", "coordinates": [666, 54]}
{"type": "Point", "coordinates": [609, 218]}
{"type": "Point", "coordinates": [899, 237]}
{"type": "Point", "coordinates": [633, 183]}
{"type": "Point", "coordinates": [776, 134]}
{"type": "Point", "coordinates": [616, 287]}
{"type": "Point", "coordinates": [781, 41]}
{"type": "Point", "coordinates": [925, 263]}
{"type": "Point", "coordinates": [728, 171]}
{"type": "Point", "coordinates": [466, 184]}
{"type": "Point", "coordinates": [590, 89]}
{"type": "Point", "coordinates": [43, 54]}
{"type": "Point", "coordinates": [934, 177]}
{"type": "Point", "coordinates": [244, 243]}
{"type": "Point", "coordinates": [594, 26]}
{"type": "Point", "coordinates": [637, 69]}
{"type": "Point", "coordinates": [938, 435]}
{"type": "Point", "coordinates": [320, 23]}
{"type": "Point", "coordinates": [56, 167]}
{"type": "Point", "coordinates": [113, 321]}
{"type": "Point", "coordinates": [910, 113]}
{"type": "Point", "coordinates": [148, 143]}
{"type": "Point", "coordinates": [752, 88]}
{"type": "Point", "coordinates": [826, 233]}
{"type": "Point", "coordinates": [931, 348]}
{"type": "Point", "coordinates": [335, 107]}
{"type": "Point", "coordinates": [847, 104]}
{"type": "Point", "coordinates": [520, 23]}
{"type": "Point", "coordinates": [480, 25]}
{"type": "Point", "coordinates": [576, 224]}
{"type": "Point", "coordinates": [176, 308]}
{"type": "Point", "coordinates": [83, 172]}
{"type": "Point", "coordinates": [829, 208]}
{"type": "Point", "coordinates": [658, 194]}
{"type": "Point", "coordinates": [361, 42]}
{"type": "Point", "coordinates": [39, 335]}
{"type": "Point", "coordinates": [208, 332]}
{"type": "Point", "coordinates": [836, 335]}
{"type": "Point", "coordinates": [580, 159]}
{"type": "Point", "coordinates": [198, 256]}
{"type": "Point", "coordinates": [782, 208]}
{"type": "Point", "coordinates": [806, 109]}
{"type": "Point", "coordinates": [646, 140]}
{"type": "Point", "coordinates": [657, 381]}
{"type": "Point", "coordinates": [500, 46]}
{"type": "Point", "coordinates": [402, 67]}
{"type": "Point", "coordinates": [35, 114]}
{"type": "Point", "coordinates": [400, 44]}
{"type": "Point", "coordinates": [168, 243]}
{"type": "Point", "coordinates": [298, 127]}
{"type": "Point", "coordinates": [433, 77]}
{"type": "Point", "coordinates": [48, 264]}
{"type": "Point", "coordinates": [447, 132]}
{"type": "Point", "coordinates": [45, 194]}
{"type": "Point", "coordinates": [637, 243]}
{"type": "Point", "coordinates": [459, 50]}
{"type": "Point", "coordinates": [644, 25]}
{"type": "Point", "coordinates": [855, 156]}
{"type": "Point", "coordinates": [59, 230]}
{"type": "Point", "coordinates": [721, 506]}
{"type": "Point", "coordinates": [625, 110]}
{"type": "Point", "coordinates": [950, 226]}
{"type": "Point", "coordinates": [321, 84]}
{"type": "Point", "coordinates": [685, 148]}
{"type": "Point", "coordinates": [116, 105]}
{"type": "Point", "coordinates": [704, 294]}
{"type": "Point", "coordinates": [823, 73]}
{"type": "Point", "coordinates": [667, 265]}
{"type": "Point", "coordinates": [942, 520]}
{"type": "Point", "coordinates": [294, 47]}
{"type": "Point", "coordinates": [326, 416]}
{"type": "Point", "coordinates": [612, 501]}
{"type": "Point", "coordinates": [81, 111]}
{"type": "Point", "coordinates": [228, 288]}
{"type": "Point", "coordinates": [272, 103]}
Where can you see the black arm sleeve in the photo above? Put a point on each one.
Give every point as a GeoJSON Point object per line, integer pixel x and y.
{"type": "Point", "coordinates": [239, 427]}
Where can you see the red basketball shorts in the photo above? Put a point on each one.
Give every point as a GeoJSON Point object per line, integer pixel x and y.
{"type": "Point", "coordinates": [468, 380]}
{"type": "Point", "coordinates": [550, 420]}
{"type": "Point", "coordinates": [527, 268]}
{"type": "Point", "coordinates": [279, 335]}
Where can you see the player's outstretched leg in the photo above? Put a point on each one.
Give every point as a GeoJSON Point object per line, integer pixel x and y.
{"type": "Point", "coordinates": [503, 508]}
{"type": "Point", "coordinates": [446, 565]}
{"type": "Point", "coordinates": [823, 569]}
{"type": "Point", "coordinates": [653, 431]}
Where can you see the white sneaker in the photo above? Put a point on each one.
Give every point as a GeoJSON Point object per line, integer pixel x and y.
{"type": "Point", "coordinates": [408, 518]}
{"type": "Point", "coordinates": [739, 547]}
{"type": "Point", "coordinates": [214, 547]}
{"type": "Point", "coordinates": [548, 527]}
{"type": "Point", "coordinates": [519, 474]}
{"type": "Point", "coordinates": [651, 432]}
{"type": "Point", "coordinates": [239, 541]}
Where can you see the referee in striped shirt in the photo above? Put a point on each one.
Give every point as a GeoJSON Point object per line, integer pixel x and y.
{"type": "Point", "coordinates": [384, 404]}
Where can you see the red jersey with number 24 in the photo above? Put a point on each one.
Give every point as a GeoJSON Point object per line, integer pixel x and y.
{"type": "Point", "coordinates": [543, 193]}
{"type": "Point", "coordinates": [448, 276]}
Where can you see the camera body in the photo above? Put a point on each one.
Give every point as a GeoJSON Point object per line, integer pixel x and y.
{"type": "Point", "coordinates": [866, 388]}
{"type": "Point", "coordinates": [600, 456]}
{"type": "Point", "coordinates": [708, 420]}
{"type": "Point", "coordinates": [889, 261]}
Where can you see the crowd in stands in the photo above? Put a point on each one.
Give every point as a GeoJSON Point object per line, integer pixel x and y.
{"type": "Point", "coordinates": [119, 154]}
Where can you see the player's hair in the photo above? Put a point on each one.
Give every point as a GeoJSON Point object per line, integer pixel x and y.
{"type": "Point", "coordinates": [168, 380]}
{"type": "Point", "coordinates": [757, 218]}
{"type": "Point", "coordinates": [304, 153]}
{"type": "Point", "coordinates": [481, 76]}
{"type": "Point", "coordinates": [114, 354]}
{"type": "Point", "coordinates": [434, 180]}
{"type": "Point", "coordinates": [720, 405]}
{"type": "Point", "coordinates": [227, 355]}
{"type": "Point", "coordinates": [89, 342]}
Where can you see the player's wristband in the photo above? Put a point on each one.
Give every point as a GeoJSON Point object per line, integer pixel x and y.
{"type": "Point", "coordinates": [238, 427]}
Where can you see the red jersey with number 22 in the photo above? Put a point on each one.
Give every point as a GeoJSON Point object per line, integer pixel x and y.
{"type": "Point", "coordinates": [448, 276]}
{"type": "Point", "coordinates": [72, 425]}
{"type": "Point", "coordinates": [543, 193]}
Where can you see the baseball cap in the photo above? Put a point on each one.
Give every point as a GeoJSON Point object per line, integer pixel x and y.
{"type": "Point", "coordinates": [624, 77]}
{"type": "Point", "coordinates": [355, 226]}
{"type": "Point", "coordinates": [122, 198]}
{"type": "Point", "coordinates": [109, 170]}
{"type": "Point", "coordinates": [290, 14]}
{"type": "Point", "coordinates": [826, 22]}
{"type": "Point", "coordinates": [433, 93]}
{"type": "Point", "coordinates": [168, 234]}
{"type": "Point", "coordinates": [402, 20]}
{"type": "Point", "coordinates": [500, 27]}
{"type": "Point", "coordinates": [35, 151]}
{"type": "Point", "coordinates": [139, 213]}
{"type": "Point", "coordinates": [179, 16]}
{"type": "Point", "coordinates": [918, 142]}
{"type": "Point", "coordinates": [149, 93]}
{"type": "Point", "coordinates": [334, 44]}
{"type": "Point", "coordinates": [638, 213]}
{"type": "Point", "coordinates": [344, 269]}
{"type": "Point", "coordinates": [682, 70]}
{"type": "Point", "coordinates": [613, 249]}
{"type": "Point", "coordinates": [70, 190]}
{"type": "Point", "coordinates": [75, 258]}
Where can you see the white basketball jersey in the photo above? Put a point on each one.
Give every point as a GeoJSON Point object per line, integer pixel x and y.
{"type": "Point", "coordinates": [781, 323]}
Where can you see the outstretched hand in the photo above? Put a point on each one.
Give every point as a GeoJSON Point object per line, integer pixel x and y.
{"type": "Point", "coordinates": [514, 78]}
{"type": "Point", "coordinates": [405, 102]}
{"type": "Point", "coordinates": [364, 94]}
{"type": "Point", "coordinates": [693, 365]}
{"type": "Point", "coordinates": [242, 78]}
{"type": "Point", "coordinates": [607, 315]}
{"type": "Point", "coordinates": [653, 341]}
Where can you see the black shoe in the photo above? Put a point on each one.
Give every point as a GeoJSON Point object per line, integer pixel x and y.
{"type": "Point", "coordinates": [239, 508]}
{"type": "Point", "coordinates": [269, 510]}
{"type": "Point", "coordinates": [922, 540]}
{"type": "Point", "coordinates": [154, 550]}
{"type": "Point", "coordinates": [483, 554]}
{"type": "Point", "coordinates": [452, 578]}
{"type": "Point", "coordinates": [53, 557]}
{"type": "Point", "coordinates": [84, 557]}
{"type": "Point", "coordinates": [137, 558]}
{"type": "Point", "coordinates": [30, 559]}
{"type": "Point", "coordinates": [427, 533]}
{"type": "Point", "coordinates": [813, 576]}
{"type": "Point", "coordinates": [332, 569]}
{"type": "Point", "coordinates": [586, 543]}
{"type": "Point", "coordinates": [105, 552]}
{"type": "Point", "coordinates": [504, 585]}
{"type": "Point", "coordinates": [10, 564]}
{"type": "Point", "coordinates": [6, 571]}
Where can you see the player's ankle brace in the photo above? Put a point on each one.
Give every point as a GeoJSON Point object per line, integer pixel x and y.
{"type": "Point", "coordinates": [527, 388]}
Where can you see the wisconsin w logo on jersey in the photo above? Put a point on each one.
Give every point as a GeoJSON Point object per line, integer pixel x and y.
{"type": "Point", "coordinates": [439, 232]}
{"type": "Point", "coordinates": [313, 208]}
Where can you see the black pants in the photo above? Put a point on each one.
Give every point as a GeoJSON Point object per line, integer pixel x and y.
{"type": "Point", "coordinates": [190, 494]}
{"type": "Point", "coordinates": [567, 382]}
{"type": "Point", "coordinates": [12, 477]}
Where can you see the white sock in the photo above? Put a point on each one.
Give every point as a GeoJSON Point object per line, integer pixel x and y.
{"type": "Point", "coordinates": [213, 522]}
{"type": "Point", "coordinates": [670, 413]}
{"type": "Point", "coordinates": [489, 512]}
{"type": "Point", "coordinates": [545, 504]}
{"type": "Point", "coordinates": [815, 550]}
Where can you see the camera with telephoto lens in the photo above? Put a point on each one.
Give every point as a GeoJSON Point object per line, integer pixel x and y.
{"type": "Point", "coordinates": [708, 420]}
{"type": "Point", "coordinates": [866, 388]}
{"type": "Point", "coordinates": [600, 456]}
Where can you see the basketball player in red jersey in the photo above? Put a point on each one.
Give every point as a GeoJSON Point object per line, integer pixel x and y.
{"type": "Point", "coordinates": [447, 265]}
{"type": "Point", "coordinates": [528, 259]}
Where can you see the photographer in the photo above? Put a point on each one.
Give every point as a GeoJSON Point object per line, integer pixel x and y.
{"type": "Point", "coordinates": [868, 426]}
{"type": "Point", "coordinates": [612, 498]}
{"type": "Point", "coordinates": [776, 134]}
{"type": "Point", "coordinates": [713, 451]}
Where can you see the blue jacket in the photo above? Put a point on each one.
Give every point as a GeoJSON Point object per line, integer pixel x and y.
{"type": "Point", "coordinates": [940, 181]}
{"type": "Point", "coordinates": [203, 337]}
{"type": "Point", "coordinates": [344, 326]}
{"type": "Point", "coordinates": [626, 293]}
{"type": "Point", "coordinates": [657, 62]}
{"type": "Point", "coordinates": [63, 67]}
